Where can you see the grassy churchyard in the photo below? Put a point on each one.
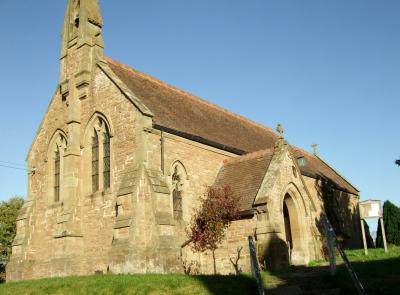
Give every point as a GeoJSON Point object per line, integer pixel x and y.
{"type": "Point", "coordinates": [379, 272]}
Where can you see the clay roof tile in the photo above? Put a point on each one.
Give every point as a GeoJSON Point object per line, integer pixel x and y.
{"type": "Point", "coordinates": [181, 111]}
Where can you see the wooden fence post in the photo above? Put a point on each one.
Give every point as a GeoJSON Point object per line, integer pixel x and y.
{"type": "Point", "coordinates": [347, 263]}
{"type": "Point", "coordinates": [383, 234]}
{"type": "Point", "coordinates": [255, 269]}
{"type": "Point", "coordinates": [330, 239]}
{"type": "Point", "coordinates": [364, 237]}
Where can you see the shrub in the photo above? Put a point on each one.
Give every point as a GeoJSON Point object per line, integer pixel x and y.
{"type": "Point", "coordinates": [218, 208]}
{"type": "Point", "coordinates": [391, 219]}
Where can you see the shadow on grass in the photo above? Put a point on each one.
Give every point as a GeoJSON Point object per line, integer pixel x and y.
{"type": "Point", "coordinates": [232, 285]}
{"type": "Point", "coordinates": [377, 276]}
{"type": "Point", "coordinates": [299, 280]}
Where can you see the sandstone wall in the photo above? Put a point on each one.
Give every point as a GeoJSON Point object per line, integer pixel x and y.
{"type": "Point", "coordinates": [130, 228]}
{"type": "Point", "coordinates": [344, 207]}
{"type": "Point", "coordinates": [40, 254]}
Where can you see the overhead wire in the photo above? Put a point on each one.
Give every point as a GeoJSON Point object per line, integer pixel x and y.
{"type": "Point", "coordinates": [11, 163]}
{"type": "Point", "coordinates": [15, 166]}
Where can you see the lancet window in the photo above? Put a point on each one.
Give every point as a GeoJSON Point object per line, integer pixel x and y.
{"type": "Point", "coordinates": [95, 162]}
{"type": "Point", "coordinates": [106, 160]}
{"type": "Point", "coordinates": [101, 156]}
{"type": "Point", "coordinates": [178, 181]}
{"type": "Point", "coordinates": [57, 176]}
{"type": "Point", "coordinates": [56, 153]}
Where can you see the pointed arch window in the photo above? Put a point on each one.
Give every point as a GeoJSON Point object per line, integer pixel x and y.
{"type": "Point", "coordinates": [106, 160]}
{"type": "Point", "coordinates": [95, 162]}
{"type": "Point", "coordinates": [100, 156]}
{"type": "Point", "coordinates": [177, 194]}
{"type": "Point", "coordinates": [57, 175]}
{"type": "Point", "coordinates": [55, 158]}
{"type": "Point", "coordinates": [178, 179]}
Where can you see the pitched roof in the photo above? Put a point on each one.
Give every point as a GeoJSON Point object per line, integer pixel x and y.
{"type": "Point", "coordinates": [244, 175]}
{"type": "Point", "coordinates": [179, 111]}
{"type": "Point", "coordinates": [315, 167]}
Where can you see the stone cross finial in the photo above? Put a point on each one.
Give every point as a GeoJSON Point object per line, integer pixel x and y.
{"type": "Point", "coordinates": [280, 130]}
{"type": "Point", "coordinates": [315, 148]}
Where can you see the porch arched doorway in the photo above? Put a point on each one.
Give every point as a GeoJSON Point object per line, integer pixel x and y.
{"type": "Point", "coordinates": [292, 230]}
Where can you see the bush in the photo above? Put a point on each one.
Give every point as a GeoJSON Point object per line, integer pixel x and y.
{"type": "Point", "coordinates": [8, 215]}
{"type": "Point", "coordinates": [391, 218]}
{"type": "Point", "coordinates": [218, 208]}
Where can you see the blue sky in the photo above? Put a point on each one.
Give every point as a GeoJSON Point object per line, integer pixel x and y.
{"type": "Point", "coordinates": [329, 71]}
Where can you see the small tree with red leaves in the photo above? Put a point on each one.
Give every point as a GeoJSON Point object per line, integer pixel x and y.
{"type": "Point", "coordinates": [218, 208]}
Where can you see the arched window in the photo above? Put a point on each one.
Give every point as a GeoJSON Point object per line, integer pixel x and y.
{"type": "Point", "coordinates": [181, 199]}
{"type": "Point", "coordinates": [95, 162]}
{"type": "Point", "coordinates": [99, 155]}
{"type": "Point", "coordinates": [177, 194]}
{"type": "Point", "coordinates": [106, 159]}
{"type": "Point", "coordinates": [55, 157]}
{"type": "Point", "coordinates": [57, 176]}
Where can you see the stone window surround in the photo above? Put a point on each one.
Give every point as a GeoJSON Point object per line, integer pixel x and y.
{"type": "Point", "coordinates": [100, 125]}
{"type": "Point", "coordinates": [59, 143]}
{"type": "Point", "coordinates": [184, 190]}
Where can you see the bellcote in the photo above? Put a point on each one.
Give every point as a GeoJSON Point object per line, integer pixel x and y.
{"type": "Point", "coordinates": [82, 44]}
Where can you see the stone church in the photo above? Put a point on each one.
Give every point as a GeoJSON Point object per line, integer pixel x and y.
{"type": "Point", "coordinates": [120, 162]}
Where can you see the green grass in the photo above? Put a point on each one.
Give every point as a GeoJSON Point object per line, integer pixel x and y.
{"type": "Point", "coordinates": [379, 272]}
{"type": "Point", "coordinates": [359, 256]}
{"type": "Point", "coordinates": [134, 284]}
{"type": "Point", "coordinates": [373, 254]}
{"type": "Point", "coordinates": [314, 263]}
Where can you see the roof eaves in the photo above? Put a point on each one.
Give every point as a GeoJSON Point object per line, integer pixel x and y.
{"type": "Point", "coordinates": [199, 139]}
{"type": "Point", "coordinates": [341, 176]}
{"type": "Point", "coordinates": [247, 213]}
{"type": "Point", "coordinates": [319, 176]}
